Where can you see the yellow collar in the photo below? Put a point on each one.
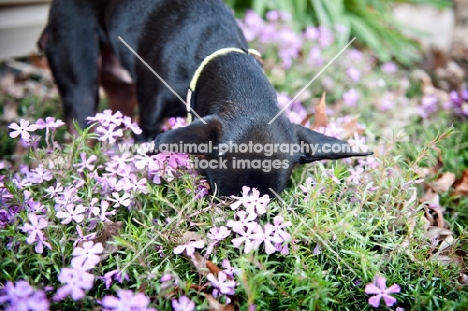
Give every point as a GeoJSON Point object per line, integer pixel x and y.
{"type": "Point", "coordinates": [196, 75]}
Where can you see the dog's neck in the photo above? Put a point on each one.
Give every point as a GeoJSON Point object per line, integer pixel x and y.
{"type": "Point", "coordinates": [221, 52]}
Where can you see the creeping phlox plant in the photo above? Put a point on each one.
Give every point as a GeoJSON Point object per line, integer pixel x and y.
{"type": "Point", "coordinates": [116, 228]}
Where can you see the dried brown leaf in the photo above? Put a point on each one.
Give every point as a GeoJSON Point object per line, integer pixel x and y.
{"type": "Point", "coordinates": [321, 118]}
{"type": "Point", "coordinates": [214, 305]}
{"type": "Point", "coordinates": [461, 185]}
{"type": "Point", "coordinates": [352, 127]}
{"type": "Point", "coordinates": [199, 262]}
{"type": "Point", "coordinates": [443, 183]}
{"type": "Point", "coordinates": [430, 197]}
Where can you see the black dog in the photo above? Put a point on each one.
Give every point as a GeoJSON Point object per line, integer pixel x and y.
{"type": "Point", "coordinates": [231, 93]}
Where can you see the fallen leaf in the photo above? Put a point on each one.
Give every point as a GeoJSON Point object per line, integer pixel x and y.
{"type": "Point", "coordinates": [199, 262]}
{"type": "Point", "coordinates": [443, 183]}
{"type": "Point", "coordinates": [215, 305]}
{"type": "Point", "coordinates": [461, 185]}
{"type": "Point", "coordinates": [352, 127]}
{"type": "Point", "coordinates": [430, 197]}
{"type": "Point", "coordinates": [321, 119]}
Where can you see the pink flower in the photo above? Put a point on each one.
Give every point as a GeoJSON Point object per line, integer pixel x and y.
{"type": "Point", "coordinates": [389, 67]}
{"type": "Point", "coordinates": [125, 301]}
{"type": "Point", "coordinates": [218, 234]}
{"type": "Point", "coordinates": [23, 129]}
{"type": "Point", "coordinates": [107, 118]}
{"type": "Point", "coordinates": [354, 74]}
{"type": "Point", "coordinates": [358, 143]}
{"type": "Point", "coordinates": [222, 283]}
{"type": "Point", "coordinates": [87, 257]}
{"type": "Point", "coordinates": [228, 269]}
{"type": "Point", "coordinates": [127, 122]}
{"type": "Point", "coordinates": [117, 275]}
{"type": "Point", "coordinates": [252, 201]}
{"type": "Point", "coordinates": [268, 237]}
{"type": "Point", "coordinates": [279, 225]}
{"type": "Point", "coordinates": [246, 238]}
{"type": "Point", "coordinates": [245, 220]}
{"type": "Point", "coordinates": [21, 296]}
{"type": "Point", "coordinates": [104, 213]}
{"type": "Point", "coordinates": [40, 174]}
{"type": "Point", "coordinates": [72, 213]}
{"type": "Point", "coordinates": [183, 304]}
{"type": "Point", "coordinates": [120, 200]}
{"type": "Point", "coordinates": [50, 122]}
{"type": "Point", "coordinates": [381, 291]}
{"type": "Point", "coordinates": [109, 134]}
{"type": "Point", "coordinates": [86, 163]}
{"type": "Point", "coordinates": [77, 281]}
{"type": "Point", "coordinates": [350, 98]}
{"type": "Point", "coordinates": [35, 232]}
{"type": "Point", "coordinates": [189, 248]}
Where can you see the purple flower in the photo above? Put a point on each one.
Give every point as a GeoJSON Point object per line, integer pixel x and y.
{"type": "Point", "coordinates": [103, 212]}
{"type": "Point", "coordinates": [315, 56]}
{"type": "Point", "coordinates": [87, 257]}
{"type": "Point", "coordinates": [222, 283]}
{"type": "Point", "coordinates": [246, 238]}
{"type": "Point", "coordinates": [217, 234]}
{"type": "Point", "coordinates": [381, 291]}
{"type": "Point", "coordinates": [127, 122]}
{"type": "Point", "coordinates": [228, 269]}
{"type": "Point", "coordinates": [72, 213]}
{"type": "Point", "coordinates": [245, 220]}
{"type": "Point", "coordinates": [86, 163]}
{"type": "Point", "coordinates": [279, 225]}
{"type": "Point", "coordinates": [350, 98]}
{"type": "Point", "coordinates": [23, 129]}
{"type": "Point", "coordinates": [109, 134]}
{"type": "Point", "coordinates": [354, 74]}
{"type": "Point", "coordinates": [40, 174]}
{"type": "Point", "coordinates": [117, 275]}
{"type": "Point", "coordinates": [386, 104]}
{"type": "Point", "coordinates": [83, 238]}
{"type": "Point", "coordinates": [183, 304]}
{"type": "Point", "coordinates": [189, 248]}
{"type": "Point", "coordinates": [428, 106]}
{"type": "Point", "coordinates": [54, 191]}
{"type": "Point", "coordinates": [107, 118]}
{"type": "Point", "coordinates": [324, 35]}
{"type": "Point", "coordinates": [76, 282]}
{"type": "Point", "coordinates": [356, 175]}
{"type": "Point", "coordinates": [389, 67]}
{"type": "Point", "coordinates": [21, 296]}
{"type": "Point", "coordinates": [50, 122]}
{"type": "Point", "coordinates": [125, 301]}
{"type": "Point", "coordinates": [175, 122]}
{"type": "Point", "coordinates": [35, 232]}
{"type": "Point", "coordinates": [252, 25]}
{"type": "Point", "coordinates": [252, 201]}
{"type": "Point", "coordinates": [268, 237]}
{"type": "Point", "coordinates": [120, 200]}
{"type": "Point", "coordinates": [358, 143]}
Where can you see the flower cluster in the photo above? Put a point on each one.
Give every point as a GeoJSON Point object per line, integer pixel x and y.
{"type": "Point", "coordinates": [21, 296]}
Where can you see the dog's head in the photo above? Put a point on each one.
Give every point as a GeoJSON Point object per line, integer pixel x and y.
{"type": "Point", "coordinates": [255, 154]}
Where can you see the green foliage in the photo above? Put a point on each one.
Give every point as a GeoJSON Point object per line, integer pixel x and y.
{"type": "Point", "coordinates": [370, 21]}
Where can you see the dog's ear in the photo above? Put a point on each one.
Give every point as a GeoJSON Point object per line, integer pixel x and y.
{"type": "Point", "coordinates": [322, 147]}
{"type": "Point", "coordinates": [196, 133]}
